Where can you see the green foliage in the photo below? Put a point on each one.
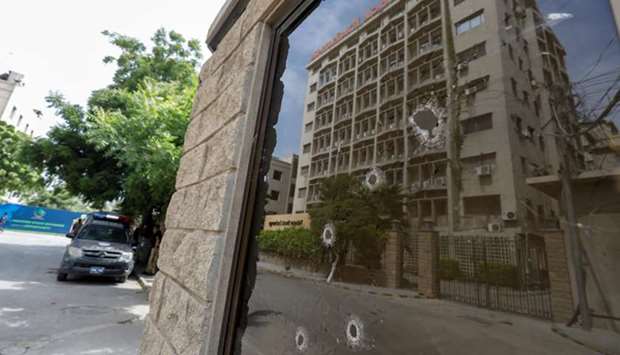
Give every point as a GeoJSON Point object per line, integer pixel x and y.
{"type": "Point", "coordinates": [497, 274]}
{"type": "Point", "coordinates": [449, 270]}
{"type": "Point", "coordinates": [150, 160]}
{"type": "Point", "coordinates": [16, 175]}
{"type": "Point", "coordinates": [57, 198]}
{"type": "Point", "coordinates": [361, 217]}
{"type": "Point", "coordinates": [172, 58]}
{"type": "Point", "coordinates": [125, 145]}
{"type": "Point", "coordinates": [298, 243]}
{"type": "Point", "coordinates": [66, 154]}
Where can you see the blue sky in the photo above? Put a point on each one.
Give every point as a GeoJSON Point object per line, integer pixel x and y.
{"type": "Point", "coordinates": [585, 36]}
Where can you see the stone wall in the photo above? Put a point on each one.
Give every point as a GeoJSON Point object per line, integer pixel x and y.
{"type": "Point", "coordinates": [203, 215]}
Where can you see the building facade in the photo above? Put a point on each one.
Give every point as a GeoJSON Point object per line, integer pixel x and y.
{"type": "Point", "coordinates": [282, 177]}
{"type": "Point", "coordinates": [9, 111]}
{"type": "Point", "coordinates": [365, 88]}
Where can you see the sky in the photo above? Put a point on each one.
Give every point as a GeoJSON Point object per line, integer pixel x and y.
{"type": "Point", "coordinates": [58, 45]}
{"type": "Point", "coordinates": [586, 30]}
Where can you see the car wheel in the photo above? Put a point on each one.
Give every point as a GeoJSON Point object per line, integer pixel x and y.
{"type": "Point", "coordinates": [61, 276]}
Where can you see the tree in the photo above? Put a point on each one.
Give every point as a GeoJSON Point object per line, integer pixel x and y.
{"type": "Point", "coordinates": [361, 217]}
{"type": "Point", "coordinates": [57, 198]}
{"type": "Point", "coordinates": [126, 143]}
{"type": "Point", "coordinates": [150, 160]}
{"type": "Point", "coordinates": [16, 175]}
{"type": "Point", "coordinates": [67, 155]}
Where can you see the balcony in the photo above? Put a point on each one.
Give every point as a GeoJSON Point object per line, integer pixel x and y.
{"type": "Point", "coordinates": [344, 117]}
{"type": "Point", "coordinates": [432, 184]}
{"type": "Point", "coordinates": [360, 136]}
{"type": "Point", "coordinates": [389, 157]}
{"type": "Point", "coordinates": [390, 126]}
{"type": "Point", "coordinates": [392, 67]}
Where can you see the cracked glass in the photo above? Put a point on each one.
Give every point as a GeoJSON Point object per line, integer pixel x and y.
{"type": "Point", "coordinates": [447, 182]}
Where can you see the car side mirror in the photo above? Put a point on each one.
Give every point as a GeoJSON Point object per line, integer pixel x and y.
{"type": "Point", "coordinates": [70, 235]}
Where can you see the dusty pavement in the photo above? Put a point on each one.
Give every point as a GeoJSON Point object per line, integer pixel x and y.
{"type": "Point", "coordinates": [39, 315]}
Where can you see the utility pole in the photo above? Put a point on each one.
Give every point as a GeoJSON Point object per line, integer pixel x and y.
{"type": "Point", "coordinates": [567, 199]}
{"type": "Point", "coordinates": [453, 124]}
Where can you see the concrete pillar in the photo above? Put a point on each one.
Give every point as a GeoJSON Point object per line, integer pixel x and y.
{"type": "Point", "coordinates": [393, 260]}
{"type": "Point", "coordinates": [428, 261]}
{"type": "Point", "coordinates": [562, 302]}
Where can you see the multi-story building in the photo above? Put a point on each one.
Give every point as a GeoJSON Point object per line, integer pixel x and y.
{"type": "Point", "coordinates": [282, 178]}
{"type": "Point", "coordinates": [9, 111]}
{"type": "Point", "coordinates": [8, 82]}
{"type": "Point", "coordinates": [364, 86]}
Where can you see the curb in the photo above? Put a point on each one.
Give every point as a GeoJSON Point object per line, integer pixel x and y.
{"type": "Point", "coordinates": [371, 290]}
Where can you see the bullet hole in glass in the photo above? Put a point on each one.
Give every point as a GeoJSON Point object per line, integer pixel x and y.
{"type": "Point", "coordinates": [301, 339]}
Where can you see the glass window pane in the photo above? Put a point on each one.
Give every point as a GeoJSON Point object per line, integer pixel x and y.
{"type": "Point", "coordinates": [428, 208]}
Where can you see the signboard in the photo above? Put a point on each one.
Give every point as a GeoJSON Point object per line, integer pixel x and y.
{"type": "Point", "coordinates": [37, 219]}
{"type": "Point", "coordinates": [283, 221]}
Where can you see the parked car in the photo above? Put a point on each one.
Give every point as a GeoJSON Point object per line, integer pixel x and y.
{"type": "Point", "coordinates": [101, 247]}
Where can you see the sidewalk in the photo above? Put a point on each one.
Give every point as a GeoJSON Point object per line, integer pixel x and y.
{"type": "Point", "coordinates": [145, 281]}
{"type": "Point", "coordinates": [604, 341]}
{"type": "Point", "coordinates": [316, 277]}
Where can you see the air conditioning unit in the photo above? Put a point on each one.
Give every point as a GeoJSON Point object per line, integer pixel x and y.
{"type": "Point", "coordinates": [461, 66]}
{"type": "Point", "coordinates": [483, 170]}
{"type": "Point", "coordinates": [426, 184]}
{"type": "Point", "coordinates": [441, 181]}
{"type": "Point", "coordinates": [494, 227]}
{"type": "Point", "coordinates": [509, 216]}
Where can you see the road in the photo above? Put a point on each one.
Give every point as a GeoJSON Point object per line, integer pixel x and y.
{"type": "Point", "coordinates": [41, 316]}
{"type": "Point", "coordinates": [281, 308]}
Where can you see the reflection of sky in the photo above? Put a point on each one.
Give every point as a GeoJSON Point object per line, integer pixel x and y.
{"type": "Point", "coordinates": [331, 17]}
{"type": "Point", "coordinates": [584, 36]}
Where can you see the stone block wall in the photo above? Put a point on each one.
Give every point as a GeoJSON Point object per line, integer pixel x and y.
{"type": "Point", "coordinates": [202, 215]}
{"type": "Point", "coordinates": [428, 263]}
{"type": "Point", "coordinates": [562, 303]}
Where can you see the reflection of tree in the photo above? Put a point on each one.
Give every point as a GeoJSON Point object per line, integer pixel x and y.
{"type": "Point", "coordinates": [361, 217]}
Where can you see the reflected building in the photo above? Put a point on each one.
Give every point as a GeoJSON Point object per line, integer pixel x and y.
{"type": "Point", "coordinates": [282, 178]}
{"type": "Point", "coordinates": [365, 86]}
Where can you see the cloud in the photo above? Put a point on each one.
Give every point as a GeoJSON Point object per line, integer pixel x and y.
{"type": "Point", "coordinates": [559, 16]}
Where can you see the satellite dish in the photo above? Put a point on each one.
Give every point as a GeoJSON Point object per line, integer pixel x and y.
{"type": "Point", "coordinates": [425, 118]}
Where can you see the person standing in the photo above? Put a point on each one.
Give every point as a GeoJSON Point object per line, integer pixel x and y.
{"type": "Point", "coordinates": [151, 266]}
{"type": "Point", "coordinates": [3, 221]}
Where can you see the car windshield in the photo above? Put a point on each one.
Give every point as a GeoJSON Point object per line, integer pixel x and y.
{"type": "Point", "coordinates": [104, 232]}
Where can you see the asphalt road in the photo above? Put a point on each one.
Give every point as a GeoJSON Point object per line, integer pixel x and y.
{"type": "Point", "coordinates": [39, 315]}
{"type": "Point", "coordinates": [282, 308]}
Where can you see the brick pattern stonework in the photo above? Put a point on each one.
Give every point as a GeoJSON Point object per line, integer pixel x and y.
{"type": "Point", "coordinates": [393, 260]}
{"type": "Point", "coordinates": [199, 215]}
{"type": "Point", "coordinates": [428, 263]}
{"type": "Point", "coordinates": [562, 304]}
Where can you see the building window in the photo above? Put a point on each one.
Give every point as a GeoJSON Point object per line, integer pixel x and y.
{"type": "Point", "coordinates": [304, 171]}
{"type": "Point", "coordinates": [313, 87]}
{"type": "Point", "coordinates": [277, 175]}
{"type": "Point", "coordinates": [478, 123]}
{"type": "Point", "coordinates": [472, 53]}
{"type": "Point", "coordinates": [311, 107]}
{"type": "Point", "coordinates": [308, 127]}
{"type": "Point", "coordinates": [301, 193]}
{"type": "Point", "coordinates": [513, 84]}
{"type": "Point", "coordinates": [483, 205]}
{"type": "Point", "coordinates": [520, 64]}
{"type": "Point", "coordinates": [470, 23]}
{"type": "Point", "coordinates": [511, 52]}
{"type": "Point", "coordinates": [274, 195]}
{"type": "Point", "coordinates": [457, 2]}
{"type": "Point", "coordinates": [526, 98]}
{"type": "Point", "coordinates": [307, 148]}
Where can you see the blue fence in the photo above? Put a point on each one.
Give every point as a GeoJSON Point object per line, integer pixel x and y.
{"type": "Point", "coordinates": [37, 219]}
